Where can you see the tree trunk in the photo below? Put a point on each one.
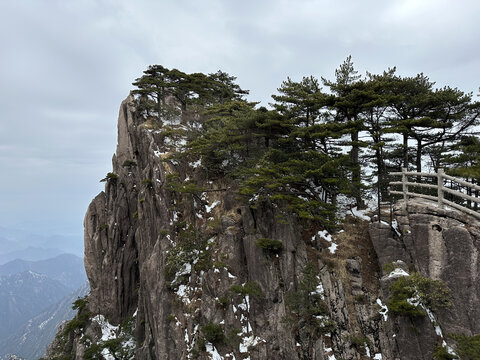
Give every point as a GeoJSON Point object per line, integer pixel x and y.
{"type": "Point", "coordinates": [405, 150]}
{"type": "Point", "coordinates": [419, 155]}
{"type": "Point", "coordinates": [356, 172]}
{"type": "Point", "coordinates": [381, 174]}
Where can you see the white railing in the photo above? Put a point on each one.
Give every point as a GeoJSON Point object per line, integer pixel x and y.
{"type": "Point", "coordinates": [439, 186]}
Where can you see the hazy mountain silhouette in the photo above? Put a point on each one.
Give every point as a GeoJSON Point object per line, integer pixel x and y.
{"type": "Point", "coordinates": [32, 338]}
{"type": "Point", "coordinates": [25, 295]}
{"type": "Point", "coordinates": [66, 268]}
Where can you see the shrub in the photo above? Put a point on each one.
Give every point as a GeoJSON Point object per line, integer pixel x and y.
{"type": "Point", "coordinates": [433, 294]}
{"type": "Point", "coordinates": [213, 333]}
{"type": "Point", "coordinates": [80, 303]}
{"type": "Point", "coordinates": [119, 346]}
{"type": "Point", "coordinates": [129, 163]}
{"type": "Point", "coordinates": [223, 302]}
{"type": "Point", "coordinates": [147, 183]}
{"type": "Point", "coordinates": [441, 353]}
{"type": "Point", "coordinates": [468, 347]}
{"type": "Point", "coordinates": [102, 227]}
{"type": "Point", "coordinates": [201, 344]}
{"type": "Point", "coordinates": [93, 352]}
{"type": "Point", "coordinates": [186, 187]}
{"type": "Point", "coordinates": [308, 313]}
{"type": "Point", "coordinates": [388, 268]}
{"type": "Point", "coordinates": [204, 262]}
{"type": "Point", "coordinates": [270, 245]}
{"type": "Point", "coordinates": [190, 245]}
{"type": "Point", "coordinates": [110, 177]}
{"type": "Point", "coordinates": [358, 340]}
{"type": "Point", "coordinates": [233, 339]}
{"type": "Point", "coordinates": [78, 322]}
{"type": "Point", "coordinates": [250, 288]}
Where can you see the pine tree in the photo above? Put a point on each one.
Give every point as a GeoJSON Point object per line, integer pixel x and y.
{"type": "Point", "coordinates": [300, 101]}
{"type": "Point", "coordinates": [152, 90]}
{"type": "Point", "coordinates": [348, 102]}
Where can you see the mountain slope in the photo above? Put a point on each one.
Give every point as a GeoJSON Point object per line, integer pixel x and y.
{"type": "Point", "coordinates": [29, 253]}
{"type": "Point", "coordinates": [68, 269]}
{"type": "Point", "coordinates": [23, 296]}
{"type": "Point", "coordinates": [32, 339]}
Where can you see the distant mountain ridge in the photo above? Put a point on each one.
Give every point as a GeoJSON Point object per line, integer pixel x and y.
{"type": "Point", "coordinates": [30, 246]}
{"type": "Point", "coordinates": [24, 295]}
{"type": "Point", "coordinates": [30, 254]}
{"type": "Point", "coordinates": [32, 338]}
{"type": "Point", "coordinates": [68, 269]}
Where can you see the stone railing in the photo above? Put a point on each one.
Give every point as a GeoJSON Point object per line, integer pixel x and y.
{"type": "Point", "coordinates": [440, 187]}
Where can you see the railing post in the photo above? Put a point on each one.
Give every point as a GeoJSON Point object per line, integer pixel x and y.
{"type": "Point", "coordinates": [404, 185]}
{"type": "Point", "coordinates": [440, 174]}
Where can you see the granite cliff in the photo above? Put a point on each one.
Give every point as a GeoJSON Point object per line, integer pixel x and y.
{"type": "Point", "coordinates": [179, 273]}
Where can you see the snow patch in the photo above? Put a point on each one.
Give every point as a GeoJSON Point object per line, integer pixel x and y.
{"type": "Point", "coordinates": [212, 351]}
{"type": "Point", "coordinates": [108, 331]}
{"type": "Point", "coordinates": [196, 163]}
{"type": "Point", "coordinates": [248, 341]}
{"type": "Point", "coordinates": [396, 228]}
{"type": "Point", "coordinates": [112, 332]}
{"type": "Point", "coordinates": [209, 208]}
{"type": "Point", "coordinates": [397, 273]}
{"type": "Point", "coordinates": [323, 234]}
{"type": "Point", "coordinates": [360, 214]}
{"type": "Point", "coordinates": [384, 309]}
{"type": "Point", "coordinates": [43, 324]}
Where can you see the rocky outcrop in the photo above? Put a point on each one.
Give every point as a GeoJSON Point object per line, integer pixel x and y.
{"type": "Point", "coordinates": [441, 244]}
{"type": "Point", "coordinates": [174, 248]}
{"type": "Point", "coordinates": [444, 244]}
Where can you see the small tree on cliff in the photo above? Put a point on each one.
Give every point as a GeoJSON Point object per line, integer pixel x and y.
{"type": "Point", "coordinates": [152, 91]}
{"type": "Point", "coordinates": [159, 83]}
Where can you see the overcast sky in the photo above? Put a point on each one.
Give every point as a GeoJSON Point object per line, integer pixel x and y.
{"type": "Point", "coordinates": [66, 65]}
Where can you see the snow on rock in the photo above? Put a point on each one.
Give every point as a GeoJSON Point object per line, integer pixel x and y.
{"type": "Point", "coordinates": [396, 228]}
{"type": "Point", "coordinates": [183, 292]}
{"type": "Point", "coordinates": [212, 351]}
{"type": "Point", "coordinates": [377, 356]}
{"type": "Point", "coordinates": [248, 341]}
{"type": "Point", "coordinates": [159, 154]}
{"type": "Point", "coordinates": [108, 331]}
{"type": "Point", "coordinates": [196, 163]}
{"type": "Point", "coordinates": [384, 309]}
{"type": "Point", "coordinates": [323, 234]}
{"type": "Point", "coordinates": [396, 273]}
{"type": "Point", "coordinates": [319, 290]}
{"type": "Point", "coordinates": [360, 214]}
{"type": "Point", "coordinates": [332, 248]}
{"type": "Point", "coordinates": [209, 208]}
{"type": "Point", "coordinates": [329, 352]}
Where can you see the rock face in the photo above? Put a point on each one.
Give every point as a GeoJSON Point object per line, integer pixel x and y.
{"type": "Point", "coordinates": [186, 263]}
